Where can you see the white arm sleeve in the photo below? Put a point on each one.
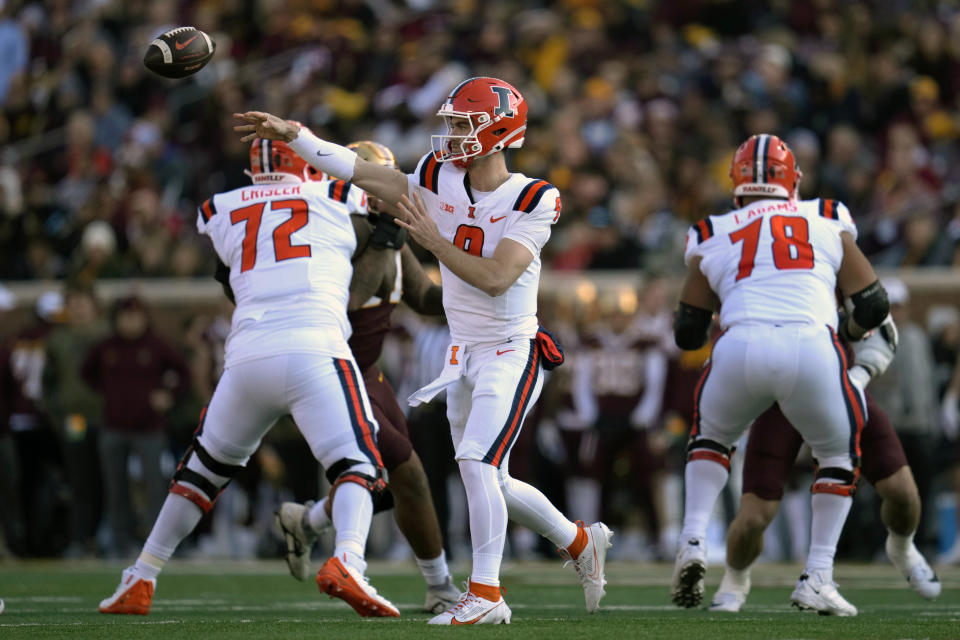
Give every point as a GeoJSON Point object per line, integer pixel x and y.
{"type": "Point", "coordinates": [325, 156]}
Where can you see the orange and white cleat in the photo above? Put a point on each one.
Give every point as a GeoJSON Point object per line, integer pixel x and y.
{"type": "Point", "coordinates": [340, 580]}
{"type": "Point", "coordinates": [590, 560]}
{"type": "Point", "coordinates": [133, 597]}
{"type": "Point", "coordinates": [479, 604]}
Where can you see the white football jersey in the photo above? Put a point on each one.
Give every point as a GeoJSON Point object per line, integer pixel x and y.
{"type": "Point", "coordinates": [773, 262]}
{"type": "Point", "coordinates": [289, 247]}
{"type": "Point", "coordinates": [522, 209]}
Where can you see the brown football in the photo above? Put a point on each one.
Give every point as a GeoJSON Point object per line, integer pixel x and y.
{"type": "Point", "coordinates": [179, 52]}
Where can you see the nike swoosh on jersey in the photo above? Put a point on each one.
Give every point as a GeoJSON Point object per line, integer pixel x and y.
{"type": "Point", "coordinates": [492, 219]}
{"type": "Point", "coordinates": [500, 353]}
{"type": "Point", "coordinates": [181, 45]}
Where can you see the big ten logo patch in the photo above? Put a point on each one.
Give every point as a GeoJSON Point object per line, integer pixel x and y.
{"type": "Point", "coordinates": [445, 206]}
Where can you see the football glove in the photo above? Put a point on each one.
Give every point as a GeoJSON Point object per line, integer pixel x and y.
{"type": "Point", "coordinates": [387, 234]}
{"type": "Point", "coordinates": [875, 351]}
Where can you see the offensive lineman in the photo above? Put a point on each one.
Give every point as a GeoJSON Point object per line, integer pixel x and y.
{"type": "Point", "coordinates": [288, 249]}
{"type": "Point", "coordinates": [385, 273]}
{"type": "Point", "coordinates": [771, 450]}
{"type": "Point", "coordinates": [772, 266]}
{"type": "Point", "coordinates": [486, 226]}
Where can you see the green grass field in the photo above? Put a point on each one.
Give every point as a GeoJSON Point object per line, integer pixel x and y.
{"type": "Point", "coordinates": [208, 601]}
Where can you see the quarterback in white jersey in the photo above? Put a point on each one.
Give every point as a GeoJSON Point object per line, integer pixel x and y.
{"type": "Point", "coordinates": [522, 210]}
{"type": "Point", "coordinates": [287, 242]}
{"type": "Point", "coordinates": [487, 227]}
{"type": "Point", "coordinates": [772, 267]}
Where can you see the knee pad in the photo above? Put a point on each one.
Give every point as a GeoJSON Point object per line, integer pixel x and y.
{"type": "Point", "coordinates": [207, 475]}
{"type": "Point", "coordinates": [358, 472]}
{"type": "Point", "coordinates": [704, 449]}
{"type": "Point", "coordinates": [836, 480]}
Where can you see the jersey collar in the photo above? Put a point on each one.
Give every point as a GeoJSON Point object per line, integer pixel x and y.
{"type": "Point", "coordinates": [469, 191]}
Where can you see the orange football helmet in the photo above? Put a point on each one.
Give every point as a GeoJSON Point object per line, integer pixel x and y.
{"type": "Point", "coordinates": [498, 119]}
{"type": "Point", "coordinates": [764, 166]}
{"type": "Point", "coordinates": [270, 160]}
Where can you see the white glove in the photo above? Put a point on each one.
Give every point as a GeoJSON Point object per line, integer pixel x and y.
{"type": "Point", "coordinates": [950, 414]}
{"type": "Point", "coordinates": [876, 350]}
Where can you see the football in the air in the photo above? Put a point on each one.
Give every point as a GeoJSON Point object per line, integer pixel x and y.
{"type": "Point", "coordinates": [179, 52]}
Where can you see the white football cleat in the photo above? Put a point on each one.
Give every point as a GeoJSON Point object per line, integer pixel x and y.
{"type": "Point", "coordinates": [441, 597]}
{"type": "Point", "coordinates": [916, 570]}
{"type": "Point", "coordinates": [340, 580]}
{"type": "Point", "coordinates": [292, 520]}
{"type": "Point", "coordinates": [591, 562]}
{"type": "Point", "coordinates": [814, 592]}
{"type": "Point", "coordinates": [472, 609]}
{"type": "Point", "coordinates": [686, 588]}
{"type": "Point", "coordinates": [731, 594]}
{"type": "Point", "coordinates": [727, 601]}
{"type": "Point", "coordinates": [134, 595]}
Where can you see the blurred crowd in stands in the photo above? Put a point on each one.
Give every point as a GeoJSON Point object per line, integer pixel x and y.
{"type": "Point", "coordinates": [635, 110]}
{"type": "Point", "coordinates": [97, 405]}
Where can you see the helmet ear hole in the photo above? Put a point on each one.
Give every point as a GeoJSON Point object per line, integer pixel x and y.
{"type": "Point", "coordinates": [499, 132]}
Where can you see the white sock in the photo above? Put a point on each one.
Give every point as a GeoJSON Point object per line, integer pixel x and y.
{"type": "Point", "coordinates": [177, 518]}
{"type": "Point", "coordinates": [735, 579]}
{"type": "Point", "coordinates": [434, 570]}
{"type": "Point", "coordinates": [901, 545]}
{"type": "Point", "coordinates": [704, 481]}
{"type": "Point", "coordinates": [829, 513]}
{"type": "Point", "coordinates": [488, 520]}
{"type": "Point", "coordinates": [352, 512]}
{"type": "Point", "coordinates": [526, 505]}
{"type": "Point", "coordinates": [317, 517]}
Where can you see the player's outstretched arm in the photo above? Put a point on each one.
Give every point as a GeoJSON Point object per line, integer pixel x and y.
{"type": "Point", "coordinates": [419, 291]}
{"type": "Point", "coordinates": [386, 183]}
{"type": "Point", "coordinates": [493, 275]}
